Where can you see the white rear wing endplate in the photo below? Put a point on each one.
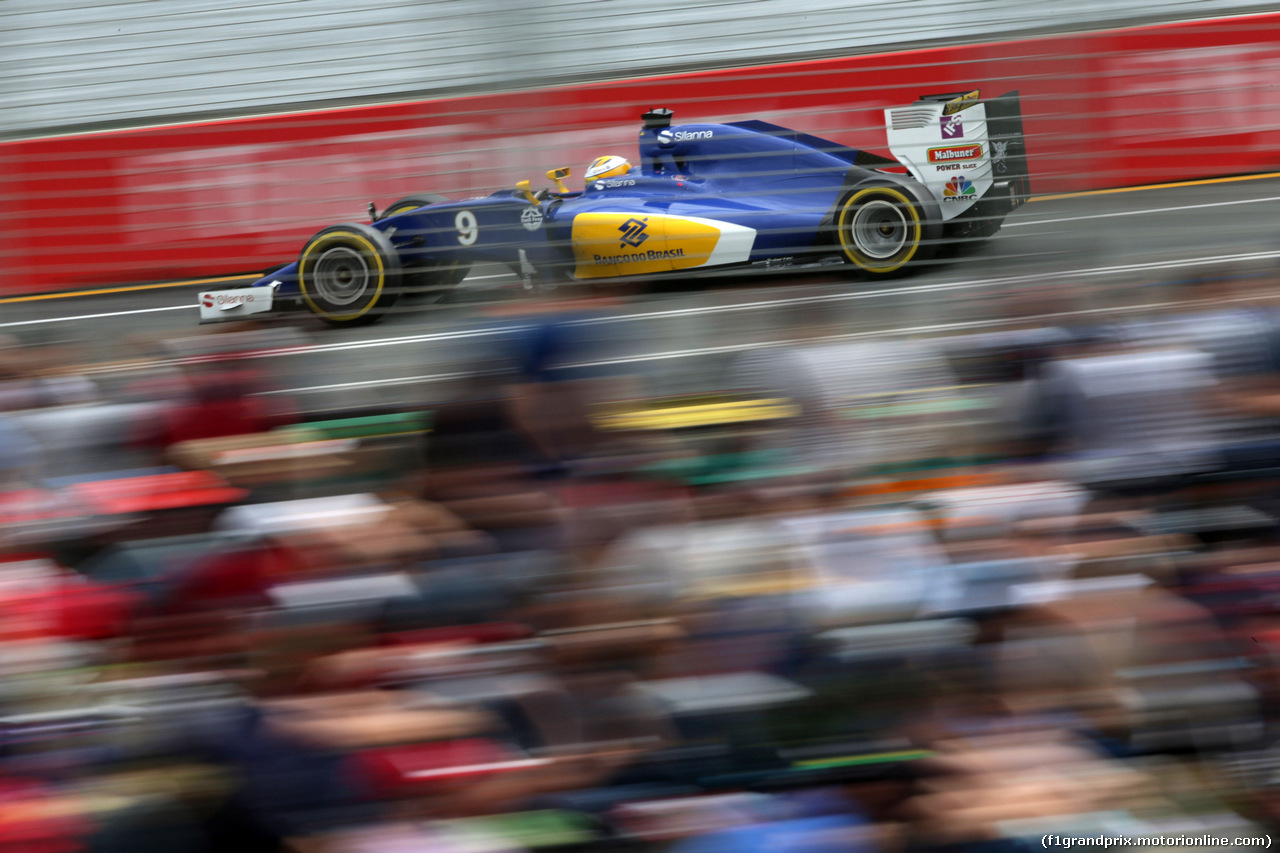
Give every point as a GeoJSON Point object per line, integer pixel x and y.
{"type": "Point", "coordinates": [944, 145]}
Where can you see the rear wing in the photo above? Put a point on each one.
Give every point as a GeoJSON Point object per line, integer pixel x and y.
{"type": "Point", "coordinates": [960, 147]}
{"type": "Point", "coordinates": [1009, 146]}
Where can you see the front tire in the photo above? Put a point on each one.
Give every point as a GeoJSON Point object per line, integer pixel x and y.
{"type": "Point", "coordinates": [882, 230]}
{"type": "Point", "coordinates": [349, 274]}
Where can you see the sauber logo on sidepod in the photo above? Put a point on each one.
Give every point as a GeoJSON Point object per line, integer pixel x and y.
{"type": "Point", "coordinates": [955, 152]}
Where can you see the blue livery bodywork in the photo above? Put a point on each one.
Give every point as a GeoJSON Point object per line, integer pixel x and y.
{"type": "Point", "coordinates": [702, 197]}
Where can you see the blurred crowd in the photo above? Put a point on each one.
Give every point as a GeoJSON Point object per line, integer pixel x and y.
{"type": "Point", "coordinates": [955, 593]}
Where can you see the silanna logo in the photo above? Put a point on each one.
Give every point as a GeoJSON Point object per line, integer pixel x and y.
{"type": "Point", "coordinates": [208, 300]}
{"type": "Point", "coordinates": [959, 188]}
{"type": "Point", "coordinates": [633, 232]}
{"type": "Point", "coordinates": [666, 137]}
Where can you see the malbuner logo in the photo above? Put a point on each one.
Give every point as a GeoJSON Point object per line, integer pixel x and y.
{"type": "Point", "coordinates": [952, 153]}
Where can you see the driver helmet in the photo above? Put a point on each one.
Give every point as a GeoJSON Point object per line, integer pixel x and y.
{"type": "Point", "coordinates": [611, 166]}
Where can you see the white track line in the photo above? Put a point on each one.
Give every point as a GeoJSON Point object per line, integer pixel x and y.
{"type": "Point", "coordinates": [1025, 278]}
{"type": "Point", "coordinates": [754, 305]}
{"type": "Point", "coordinates": [97, 316]}
{"type": "Point", "coordinates": [1026, 224]}
{"type": "Point", "coordinates": [768, 304]}
{"type": "Point", "coordinates": [843, 337]}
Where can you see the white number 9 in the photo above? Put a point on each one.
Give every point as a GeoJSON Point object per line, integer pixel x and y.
{"type": "Point", "coordinates": [468, 228]}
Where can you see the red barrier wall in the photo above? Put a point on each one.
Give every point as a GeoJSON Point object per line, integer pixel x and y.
{"type": "Point", "coordinates": [1159, 103]}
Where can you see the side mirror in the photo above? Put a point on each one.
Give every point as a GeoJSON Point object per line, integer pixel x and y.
{"type": "Point", "coordinates": [558, 175]}
{"type": "Point", "coordinates": [523, 186]}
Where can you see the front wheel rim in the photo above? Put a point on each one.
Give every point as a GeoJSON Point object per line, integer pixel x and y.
{"type": "Point", "coordinates": [879, 229]}
{"type": "Point", "coordinates": [341, 275]}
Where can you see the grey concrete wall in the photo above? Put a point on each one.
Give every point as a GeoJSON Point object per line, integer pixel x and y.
{"type": "Point", "coordinates": [83, 63]}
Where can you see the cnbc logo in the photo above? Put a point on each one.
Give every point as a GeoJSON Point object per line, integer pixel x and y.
{"type": "Point", "coordinates": [959, 188]}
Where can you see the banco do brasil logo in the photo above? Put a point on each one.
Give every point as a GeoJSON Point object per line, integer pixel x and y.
{"type": "Point", "coordinates": [633, 232]}
{"type": "Point", "coordinates": [958, 189]}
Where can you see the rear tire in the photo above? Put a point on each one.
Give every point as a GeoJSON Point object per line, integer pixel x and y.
{"type": "Point", "coordinates": [349, 274]}
{"type": "Point", "coordinates": [882, 230]}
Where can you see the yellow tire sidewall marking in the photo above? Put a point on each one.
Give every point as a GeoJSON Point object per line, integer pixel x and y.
{"type": "Point", "coordinates": [849, 206]}
{"type": "Point", "coordinates": [370, 251]}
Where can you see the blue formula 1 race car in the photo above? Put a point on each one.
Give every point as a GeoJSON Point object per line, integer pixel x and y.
{"type": "Point", "coordinates": [703, 198]}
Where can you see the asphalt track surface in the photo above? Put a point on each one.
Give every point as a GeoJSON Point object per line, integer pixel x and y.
{"type": "Point", "coordinates": [1063, 259]}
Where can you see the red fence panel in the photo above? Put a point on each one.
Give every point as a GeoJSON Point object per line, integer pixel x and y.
{"type": "Point", "coordinates": [1121, 107]}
